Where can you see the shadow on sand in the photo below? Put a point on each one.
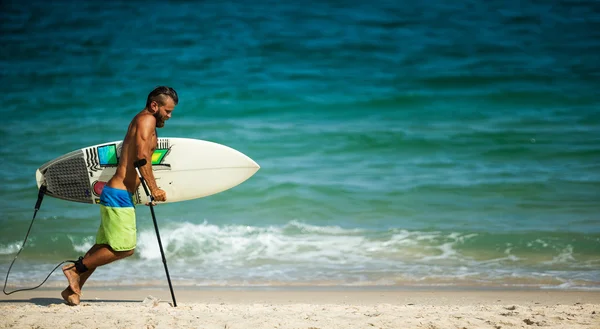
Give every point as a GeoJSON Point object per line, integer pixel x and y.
{"type": "Point", "coordinates": [58, 301]}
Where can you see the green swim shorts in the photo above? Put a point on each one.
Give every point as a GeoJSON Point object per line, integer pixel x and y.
{"type": "Point", "coordinates": [117, 214]}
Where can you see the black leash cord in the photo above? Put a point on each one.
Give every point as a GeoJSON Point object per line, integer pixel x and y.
{"type": "Point", "coordinates": [37, 207]}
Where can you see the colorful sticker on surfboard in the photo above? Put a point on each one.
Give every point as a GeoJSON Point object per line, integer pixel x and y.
{"type": "Point", "coordinates": [108, 156]}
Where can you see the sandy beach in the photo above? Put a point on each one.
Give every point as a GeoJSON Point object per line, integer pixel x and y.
{"type": "Point", "coordinates": [308, 308]}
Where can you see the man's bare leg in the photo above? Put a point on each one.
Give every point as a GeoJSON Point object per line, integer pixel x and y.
{"type": "Point", "coordinates": [98, 255]}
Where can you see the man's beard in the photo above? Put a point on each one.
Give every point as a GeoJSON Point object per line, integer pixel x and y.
{"type": "Point", "coordinates": [159, 121]}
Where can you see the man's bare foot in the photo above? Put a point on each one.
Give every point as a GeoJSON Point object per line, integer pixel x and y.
{"type": "Point", "coordinates": [73, 277]}
{"type": "Point", "coordinates": [71, 298]}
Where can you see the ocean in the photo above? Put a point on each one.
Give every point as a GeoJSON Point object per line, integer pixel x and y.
{"type": "Point", "coordinates": [439, 144]}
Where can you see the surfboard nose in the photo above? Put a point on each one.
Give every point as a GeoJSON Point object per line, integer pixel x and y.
{"type": "Point", "coordinates": [254, 164]}
{"type": "Point", "coordinates": [248, 161]}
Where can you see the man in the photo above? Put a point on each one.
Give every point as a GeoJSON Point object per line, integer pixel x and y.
{"type": "Point", "coordinates": [116, 237]}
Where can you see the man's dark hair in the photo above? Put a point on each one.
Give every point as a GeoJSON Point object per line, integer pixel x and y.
{"type": "Point", "coordinates": [159, 95]}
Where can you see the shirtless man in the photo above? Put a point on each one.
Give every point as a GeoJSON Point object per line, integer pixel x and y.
{"type": "Point", "coordinates": [116, 237]}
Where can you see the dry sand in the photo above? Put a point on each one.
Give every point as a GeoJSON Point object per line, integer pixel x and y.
{"type": "Point", "coordinates": [308, 308]}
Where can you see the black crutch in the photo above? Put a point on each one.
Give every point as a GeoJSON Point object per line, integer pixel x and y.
{"type": "Point", "coordinates": [138, 164]}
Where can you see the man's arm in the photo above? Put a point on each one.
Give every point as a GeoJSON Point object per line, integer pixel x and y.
{"type": "Point", "coordinates": [145, 144]}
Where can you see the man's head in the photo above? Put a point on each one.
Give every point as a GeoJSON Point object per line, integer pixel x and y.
{"type": "Point", "coordinates": [161, 102]}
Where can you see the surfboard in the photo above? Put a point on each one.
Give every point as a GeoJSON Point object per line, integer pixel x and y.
{"type": "Point", "coordinates": [184, 168]}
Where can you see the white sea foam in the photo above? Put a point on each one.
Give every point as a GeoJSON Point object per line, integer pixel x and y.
{"type": "Point", "coordinates": [10, 248]}
{"type": "Point", "coordinates": [301, 253]}
{"type": "Point", "coordinates": [82, 245]}
{"type": "Point", "coordinates": [565, 256]}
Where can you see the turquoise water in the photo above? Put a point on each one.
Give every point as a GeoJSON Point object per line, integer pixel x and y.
{"type": "Point", "coordinates": [400, 145]}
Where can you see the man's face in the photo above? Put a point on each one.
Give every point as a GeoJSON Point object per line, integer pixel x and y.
{"type": "Point", "coordinates": [162, 113]}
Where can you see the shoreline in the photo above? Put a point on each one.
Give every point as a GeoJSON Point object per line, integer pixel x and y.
{"type": "Point", "coordinates": [305, 294]}
{"type": "Point", "coordinates": [156, 284]}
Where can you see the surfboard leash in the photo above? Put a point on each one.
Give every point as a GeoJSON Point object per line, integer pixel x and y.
{"type": "Point", "coordinates": [38, 204]}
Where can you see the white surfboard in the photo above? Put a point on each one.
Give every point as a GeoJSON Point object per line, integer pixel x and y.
{"type": "Point", "coordinates": [184, 168]}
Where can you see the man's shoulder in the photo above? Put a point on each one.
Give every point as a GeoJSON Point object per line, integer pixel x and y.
{"type": "Point", "coordinates": [145, 119]}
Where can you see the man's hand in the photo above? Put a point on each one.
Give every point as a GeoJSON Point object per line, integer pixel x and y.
{"type": "Point", "coordinates": [159, 195]}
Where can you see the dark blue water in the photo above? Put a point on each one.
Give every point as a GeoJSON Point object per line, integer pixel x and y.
{"type": "Point", "coordinates": [400, 144]}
